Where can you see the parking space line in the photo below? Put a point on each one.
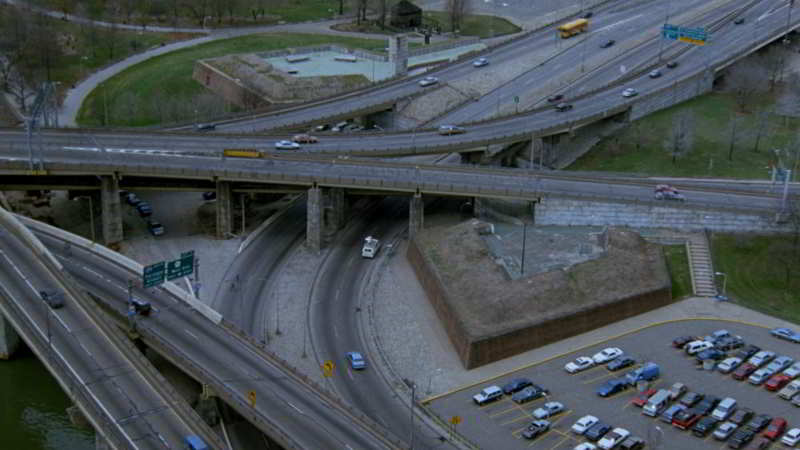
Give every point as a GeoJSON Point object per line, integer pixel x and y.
{"type": "Point", "coordinates": [566, 438]}
{"type": "Point", "coordinates": [514, 407]}
{"type": "Point", "coordinates": [502, 400]}
{"type": "Point", "coordinates": [517, 419]}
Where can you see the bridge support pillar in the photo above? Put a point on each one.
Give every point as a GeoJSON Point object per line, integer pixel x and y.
{"type": "Point", "coordinates": [224, 210]}
{"type": "Point", "coordinates": [314, 218]}
{"type": "Point", "coordinates": [338, 208]}
{"type": "Point", "coordinates": [111, 210]}
{"type": "Point", "coordinates": [9, 339]}
{"type": "Point", "coordinates": [416, 215]}
{"type": "Point", "coordinates": [477, 207]}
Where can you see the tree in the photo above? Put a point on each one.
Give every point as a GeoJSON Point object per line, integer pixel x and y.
{"type": "Point", "coordinates": [383, 10]}
{"type": "Point", "coordinates": [681, 137]}
{"type": "Point", "coordinates": [733, 127]}
{"type": "Point", "coordinates": [456, 10]}
{"type": "Point", "coordinates": [361, 10]}
{"type": "Point", "coordinates": [746, 82]}
{"type": "Point", "coordinates": [67, 7]}
{"type": "Point", "coordinates": [761, 127]}
{"type": "Point", "coordinates": [198, 9]}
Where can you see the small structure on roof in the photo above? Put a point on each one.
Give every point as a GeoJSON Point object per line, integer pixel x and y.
{"type": "Point", "coordinates": [405, 14]}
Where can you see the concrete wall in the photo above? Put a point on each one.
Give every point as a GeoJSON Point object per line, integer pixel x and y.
{"type": "Point", "coordinates": [679, 92]}
{"type": "Point", "coordinates": [9, 339]}
{"type": "Point", "coordinates": [562, 211]}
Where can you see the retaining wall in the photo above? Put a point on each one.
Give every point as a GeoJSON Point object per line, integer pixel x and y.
{"type": "Point", "coordinates": [9, 339]}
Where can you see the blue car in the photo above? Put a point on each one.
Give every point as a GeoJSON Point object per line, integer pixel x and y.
{"type": "Point", "coordinates": [357, 362]}
{"type": "Point", "coordinates": [786, 333]}
{"type": "Point", "coordinates": [611, 387]}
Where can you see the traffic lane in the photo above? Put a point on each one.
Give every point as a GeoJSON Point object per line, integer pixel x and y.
{"type": "Point", "coordinates": [235, 367]}
{"type": "Point", "coordinates": [577, 391]}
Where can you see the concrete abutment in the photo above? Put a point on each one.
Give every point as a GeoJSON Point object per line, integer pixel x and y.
{"type": "Point", "coordinates": [224, 205]}
{"type": "Point", "coordinates": [9, 339]}
{"type": "Point", "coordinates": [110, 210]}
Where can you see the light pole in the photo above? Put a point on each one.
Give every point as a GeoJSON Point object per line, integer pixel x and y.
{"type": "Point", "coordinates": [724, 280]}
{"type": "Point", "coordinates": [413, 387]}
{"type": "Point", "coordinates": [666, 19]}
{"type": "Point", "coordinates": [91, 213]}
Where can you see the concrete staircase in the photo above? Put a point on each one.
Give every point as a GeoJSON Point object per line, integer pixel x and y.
{"type": "Point", "coordinates": [700, 267]}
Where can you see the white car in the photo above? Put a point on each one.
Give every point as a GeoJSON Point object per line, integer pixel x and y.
{"type": "Point", "coordinates": [606, 355]}
{"type": "Point", "coordinates": [580, 364]}
{"type": "Point", "coordinates": [613, 438]}
{"type": "Point", "coordinates": [630, 92]}
{"type": "Point", "coordinates": [793, 371]}
{"type": "Point", "coordinates": [760, 376]}
{"type": "Point", "coordinates": [584, 423]}
{"type": "Point", "coordinates": [547, 410]}
{"type": "Point", "coordinates": [487, 395]}
{"type": "Point", "coordinates": [761, 358]}
{"type": "Point", "coordinates": [287, 145]}
{"type": "Point", "coordinates": [725, 430]}
{"type": "Point", "coordinates": [480, 62]}
{"type": "Point", "coordinates": [792, 437]}
{"type": "Point", "coordinates": [427, 81]}
{"type": "Point", "coordinates": [729, 364]}
{"type": "Point", "coordinates": [585, 446]}
{"type": "Point", "coordinates": [790, 390]}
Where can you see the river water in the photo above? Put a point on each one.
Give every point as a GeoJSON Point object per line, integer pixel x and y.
{"type": "Point", "coordinates": [33, 408]}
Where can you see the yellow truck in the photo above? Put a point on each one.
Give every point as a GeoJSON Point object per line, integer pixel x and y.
{"type": "Point", "coordinates": [570, 29]}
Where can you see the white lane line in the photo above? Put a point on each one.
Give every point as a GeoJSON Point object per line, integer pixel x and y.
{"type": "Point", "coordinates": [621, 22]}
{"type": "Point", "coordinates": [192, 335]}
{"type": "Point", "coordinates": [295, 407]}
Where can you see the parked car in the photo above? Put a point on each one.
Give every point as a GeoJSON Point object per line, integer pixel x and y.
{"type": "Point", "coordinates": [53, 298]}
{"type": "Point", "coordinates": [620, 363]}
{"type": "Point", "coordinates": [761, 358]}
{"type": "Point", "coordinates": [724, 409]}
{"type": "Point", "coordinates": [585, 446]}
{"type": "Point", "coordinates": [759, 422]}
{"type": "Point", "coordinates": [654, 73]}
{"type": "Point", "coordinates": [711, 353]}
{"type": "Point", "coordinates": [790, 391]}
{"type": "Point", "coordinates": [641, 398]}
{"type": "Point", "coordinates": [613, 438]}
{"type": "Point", "coordinates": [210, 195]}
{"type": "Point", "coordinates": [680, 341]}
{"type": "Point", "coordinates": [580, 364]}
{"type": "Point", "coordinates": [706, 405]}
{"type": "Point", "coordinates": [741, 416]}
{"type": "Point", "coordinates": [305, 139]}
{"type": "Point", "coordinates": [775, 428]}
{"type": "Point", "coordinates": [583, 424]}
{"type": "Point", "coordinates": [428, 81]}
{"type": "Point", "coordinates": [759, 376]}
{"type": "Point", "coordinates": [676, 390]}
{"type": "Point", "coordinates": [630, 92]}
{"type": "Point", "coordinates": [562, 107]}
{"type": "Point", "coordinates": [529, 393]}
{"type": "Point", "coordinates": [608, 43]}
{"type": "Point", "coordinates": [704, 426]}
{"type": "Point", "coordinates": [554, 98]}
{"type": "Point", "coordinates": [144, 209]}
{"type": "Point", "coordinates": [447, 130]}
{"type": "Point", "coordinates": [725, 430]}
{"type": "Point", "coordinates": [548, 410]}
{"type": "Point", "coordinates": [648, 372]}
{"type": "Point", "coordinates": [535, 429]}
{"type": "Point", "coordinates": [671, 412]}
{"type": "Point", "coordinates": [729, 343]}
{"type": "Point", "coordinates": [517, 384]}
{"type": "Point", "coordinates": [611, 387]}
{"type": "Point", "coordinates": [691, 398]}
{"type": "Point", "coordinates": [480, 62]}
{"type": "Point", "coordinates": [286, 145]}
{"type": "Point", "coordinates": [685, 419]}
{"type": "Point", "coordinates": [744, 371]}
{"type": "Point", "coordinates": [780, 363]}
{"type": "Point", "coordinates": [791, 438]}
{"type": "Point", "coordinates": [786, 333]}
{"type": "Point", "coordinates": [793, 371]}
{"type": "Point", "coordinates": [606, 355]}
{"type": "Point", "coordinates": [795, 400]}
{"type": "Point", "coordinates": [596, 431]}
{"type": "Point", "coordinates": [741, 437]}
{"type": "Point", "coordinates": [777, 382]}
{"type": "Point", "coordinates": [487, 394]}
{"type": "Point", "coordinates": [747, 352]}
{"type": "Point", "coordinates": [356, 360]}
{"type": "Point", "coordinates": [155, 228]}
{"type": "Point", "coordinates": [729, 364]}
{"type": "Point", "coordinates": [632, 443]}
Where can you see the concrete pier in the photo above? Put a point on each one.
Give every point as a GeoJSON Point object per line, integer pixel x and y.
{"type": "Point", "coordinates": [9, 339]}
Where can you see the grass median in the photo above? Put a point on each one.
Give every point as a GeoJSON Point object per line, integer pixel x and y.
{"type": "Point", "coordinates": [479, 25]}
{"type": "Point", "coordinates": [678, 266]}
{"type": "Point", "coordinates": [161, 89]}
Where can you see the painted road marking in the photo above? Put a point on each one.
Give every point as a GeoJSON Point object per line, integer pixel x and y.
{"type": "Point", "coordinates": [192, 335]}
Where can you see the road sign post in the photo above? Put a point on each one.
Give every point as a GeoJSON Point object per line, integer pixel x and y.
{"type": "Point", "coordinates": [153, 274]}
{"type": "Point", "coordinates": [327, 368]}
{"type": "Point", "coordinates": [181, 267]}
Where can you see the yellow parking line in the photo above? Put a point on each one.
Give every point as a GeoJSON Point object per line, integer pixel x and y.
{"type": "Point", "coordinates": [526, 417]}
{"type": "Point", "coordinates": [494, 403]}
{"type": "Point", "coordinates": [566, 438]}
{"type": "Point", "coordinates": [537, 438]}
{"type": "Point", "coordinates": [560, 416]}
{"type": "Point", "coordinates": [514, 407]}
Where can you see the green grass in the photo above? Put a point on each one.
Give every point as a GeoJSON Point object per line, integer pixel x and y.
{"type": "Point", "coordinates": [162, 88]}
{"type": "Point", "coordinates": [709, 155]}
{"type": "Point", "coordinates": [678, 266]}
{"type": "Point", "coordinates": [479, 25]}
{"type": "Point", "coordinates": [761, 271]}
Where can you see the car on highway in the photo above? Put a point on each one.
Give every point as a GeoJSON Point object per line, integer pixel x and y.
{"type": "Point", "coordinates": [587, 15]}
{"type": "Point", "coordinates": [339, 127]}
{"type": "Point", "coordinates": [787, 334]}
{"type": "Point", "coordinates": [580, 364]}
{"type": "Point", "coordinates": [729, 364]}
{"type": "Point", "coordinates": [608, 43]}
{"type": "Point", "coordinates": [632, 443]}
{"type": "Point", "coordinates": [606, 355]}
{"type": "Point", "coordinates": [759, 376]}
{"type": "Point", "coordinates": [630, 92]}
{"type": "Point", "coordinates": [741, 416]}
{"type": "Point", "coordinates": [447, 130]}
{"type": "Point", "coordinates": [761, 358]}
{"type": "Point", "coordinates": [613, 438]}
{"type": "Point", "coordinates": [790, 391]}
{"type": "Point", "coordinates": [304, 139]}
{"type": "Point", "coordinates": [536, 429]}
{"type": "Point", "coordinates": [704, 426]}
{"type": "Point", "coordinates": [356, 360]}
{"type": "Point", "coordinates": [554, 98]}
{"type": "Point", "coordinates": [654, 73]}
{"type": "Point", "coordinates": [641, 398]}
{"type": "Point", "coordinates": [548, 410]}
{"type": "Point", "coordinates": [777, 382]}
{"type": "Point", "coordinates": [759, 422]}
{"type": "Point", "coordinates": [741, 437]}
{"type": "Point", "coordinates": [287, 145]}
{"type": "Point", "coordinates": [428, 81]}
{"type": "Point", "coordinates": [322, 127]}
{"type": "Point", "coordinates": [744, 371]}
{"type": "Point", "coordinates": [791, 438]}
{"type": "Point", "coordinates": [210, 195]}
{"type": "Point", "coordinates": [669, 192]}
{"type": "Point", "coordinates": [780, 363]}
{"type": "Point", "coordinates": [487, 394]}
{"type": "Point", "coordinates": [691, 398]}
{"type": "Point", "coordinates": [775, 428]}
{"type": "Point", "coordinates": [725, 430]}
{"type": "Point", "coordinates": [584, 423]}
{"type": "Point", "coordinates": [155, 228]}
{"type": "Point", "coordinates": [529, 393]}
{"type": "Point", "coordinates": [739, 20]}
{"type": "Point", "coordinates": [672, 64]}
{"type": "Point", "coordinates": [204, 126]}
{"type": "Point", "coordinates": [620, 363]}
{"type": "Point", "coordinates": [480, 62]}
{"type": "Point", "coordinates": [53, 298]}
{"type": "Point", "coordinates": [144, 209]}
{"type": "Point", "coordinates": [611, 387]}
{"type": "Point", "coordinates": [562, 107]}
{"type": "Point", "coordinates": [517, 384]}
{"type": "Point", "coordinates": [596, 431]}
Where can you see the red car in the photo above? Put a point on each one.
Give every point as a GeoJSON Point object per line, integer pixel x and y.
{"type": "Point", "coordinates": [641, 398]}
{"type": "Point", "coordinates": [744, 371]}
{"type": "Point", "coordinates": [775, 428]}
{"type": "Point", "coordinates": [777, 382]}
{"type": "Point", "coordinates": [685, 419]}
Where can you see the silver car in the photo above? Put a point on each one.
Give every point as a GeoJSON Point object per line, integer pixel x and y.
{"type": "Point", "coordinates": [630, 92]}
{"type": "Point", "coordinates": [428, 81]}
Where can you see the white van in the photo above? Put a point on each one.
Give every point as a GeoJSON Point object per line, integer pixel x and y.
{"type": "Point", "coordinates": [656, 403]}
{"type": "Point", "coordinates": [695, 347]}
{"type": "Point", "coordinates": [724, 409]}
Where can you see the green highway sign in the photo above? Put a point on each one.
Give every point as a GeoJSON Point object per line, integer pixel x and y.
{"type": "Point", "coordinates": [153, 274]}
{"type": "Point", "coordinates": [697, 36]}
{"type": "Point", "coordinates": [181, 267]}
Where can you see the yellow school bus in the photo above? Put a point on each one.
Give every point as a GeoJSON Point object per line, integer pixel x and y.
{"type": "Point", "coordinates": [570, 29]}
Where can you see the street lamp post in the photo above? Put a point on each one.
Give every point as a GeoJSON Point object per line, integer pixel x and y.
{"type": "Point", "coordinates": [724, 280]}
{"type": "Point", "coordinates": [91, 214]}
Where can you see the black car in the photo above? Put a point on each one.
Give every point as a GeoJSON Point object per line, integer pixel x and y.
{"type": "Point", "coordinates": [739, 21]}
{"type": "Point", "coordinates": [680, 341]}
{"type": "Point", "coordinates": [620, 363]}
{"type": "Point", "coordinates": [747, 352]}
{"type": "Point", "coordinates": [144, 209]}
{"type": "Point", "coordinates": [729, 343]}
{"type": "Point", "coordinates": [210, 195]}
{"type": "Point", "coordinates": [759, 422]}
{"type": "Point", "coordinates": [53, 298]}
{"type": "Point", "coordinates": [132, 199]}
{"type": "Point", "coordinates": [632, 443]}
{"type": "Point", "coordinates": [517, 384]}
{"type": "Point", "coordinates": [529, 393]}
{"type": "Point", "coordinates": [597, 431]}
{"type": "Point", "coordinates": [672, 64]}
{"type": "Point", "coordinates": [691, 398]}
{"type": "Point", "coordinates": [704, 426]}
{"type": "Point", "coordinates": [711, 353]}
{"type": "Point", "coordinates": [741, 416]}
{"type": "Point", "coordinates": [561, 107]}
{"type": "Point", "coordinates": [587, 15]}
{"type": "Point", "coordinates": [608, 43]}
{"type": "Point", "coordinates": [554, 98]}
{"type": "Point", "coordinates": [706, 406]}
{"type": "Point", "coordinates": [741, 437]}
{"type": "Point", "coordinates": [204, 126]}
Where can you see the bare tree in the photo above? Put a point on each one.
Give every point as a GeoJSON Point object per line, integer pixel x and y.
{"type": "Point", "coordinates": [761, 127]}
{"type": "Point", "coordinates": [198, 9]}
{"type": "Point", "coordinates": [67, 7]}
{"type": "Point", "coordinates": [383, 10]}
{"type": "Point", "coordinates": [361, 10]}
{"type": "Point", "coordinates": [456, 10]}
{"type": "Point", "coordinates": [733, 126]}
{"type": "Point", "coordinates": [680, 139]}
{"type": "Point", "coordinates": [746, 82]}
{"type": "Point", "coordinates": [773, 61]}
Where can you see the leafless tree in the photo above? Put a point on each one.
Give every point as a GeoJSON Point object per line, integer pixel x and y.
{"type": "Point", "coordinates": [456, 10]}
{"type": "Point", "coordinates": [761, 127]}
{"type": "Point", "coordinates": [680, 139]}
{"type": "Point", "coordinates": [383, 9]}
{"type": "Point", "coordinates": [746, 82]}
{"type": "Point", "coordinates": [67, 7]}
{"type": "Point", "coordinates": [110, 39]}
{"type": "Point", "coordinates": [733, 126]}
{"type": "Point", "coordinates": [773, 61]}
{"type": "Point", "coordinates": [198, 9]}
{"type": "Point", "coordinates": [361, 10]}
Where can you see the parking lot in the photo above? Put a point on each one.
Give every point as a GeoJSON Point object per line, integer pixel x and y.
{"type": "Point", "coordinates": [499, 424]}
